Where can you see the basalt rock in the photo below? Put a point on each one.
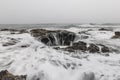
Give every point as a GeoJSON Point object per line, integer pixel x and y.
{"type": "Point", "coordinates": [117, 35]}
{"type": "Point", "coordinates": [65, 37]}
{"type": "Point", "coordinates": [23, 31]}
{"type": "Point", "coordinates": [93, 48]}
{"type": "Point", "coordinates": [104, 49]}
{"type": "Point", "coordinates": [53, 38]}
{"type": "Point", "coordinates": [15, 31]}
{"type": "Point", "coordinates": [82, 46]}
{"type": "Point", "coordinates": [39, 32]}
{"type": "Point", "coordinates": [5, 75]}
{"type": "Point", "coordinates": [105, 29]}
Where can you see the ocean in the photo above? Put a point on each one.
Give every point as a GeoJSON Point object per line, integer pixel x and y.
{"type": "Point", "coordinates": [61, 51]}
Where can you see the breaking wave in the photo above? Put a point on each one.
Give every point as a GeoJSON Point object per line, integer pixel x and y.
{"type": "Point", "coordinates": [70, 54]}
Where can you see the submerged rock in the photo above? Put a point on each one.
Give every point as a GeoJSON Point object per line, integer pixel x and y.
{"type": "Point", "coordinates": [5, 75]}
{"type": "Point", "coordinates": [53, 38]}
{"type": "Point", "coordinates": [88, 76]}
{"type": "Point", "coordinates": [11, 42]}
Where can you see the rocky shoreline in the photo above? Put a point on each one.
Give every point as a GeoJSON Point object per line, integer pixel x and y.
{"type": "Point", "coordinates": [56, 38]}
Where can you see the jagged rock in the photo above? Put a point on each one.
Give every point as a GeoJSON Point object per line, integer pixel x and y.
{"type": "Point", "coordinates": [52, 38]}
{"type": "Point", "coordinates": [45, 40]}
{"type": "Point", "coordinates": [117, 35]}
{"type": "Point", "coordinates": [40, 32]}
{"type": "Point", "coordinates": [77, 46]}
{"type": "Point", "coordinates": [5, 75]}
{"type": "Point", "coordinates": [65, 37]}
{"type": "Point", "coordinates": [15, 31]}
{"type": "Point", "coordinates": [93, 48]}
{"type": "Point", "coordinates": [105, 29]}
{"type": "Point", "coordinates": [104, 49]}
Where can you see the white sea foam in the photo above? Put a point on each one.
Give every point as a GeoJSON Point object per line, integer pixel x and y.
{"type": "Point", "coordinates": [41, 61]}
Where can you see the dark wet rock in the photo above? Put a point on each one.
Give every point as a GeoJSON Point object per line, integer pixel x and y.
{"type": "Point", "coordinates": [8, 29]}
{"type": "Point", "coordinates": [8, 44]}
{"type": "Point", "coordinates": [82, 46]}
{"type": "Point", "coordinates": [57, 48]}
{"type": "Point", "coordinates": [105, 29]}
{"type": "Point", "coordinates": [105, 49]}
{"type": "Point", "coordinates": [69, 49]}
{"type": "Point", "coordinates": [53, 38]}
{"type": "Point", "coordinates": [5, 75]}
{"type": "Point", "coordinates": [79, 43]}
{"type": "Point", "coordinates": [11, 42]}
{"type": "Point", "coordinates": [88, 76]}
{"type": "Point", "coordinates": [117, 35]}
{"type": "Point", "coordinates": [65, 37]}
{"type": "Point", "coordinates": [25, 46]}
{"type": "Point", "coordinates": [93, 48]}
{"type": "Point", "coordinates": [77, 46]}
{"type": "Point", "coordinates": [45, 40]}
{"type": "Point", "coordinates": [23, 31]}
{"type": "Point", "coordinates": [82, 32]}
{"type": "Point", "coordinates": [15, 31]}
{"type": "Point", "coordinates": [39, 32]}
{"type": "Point", "coordinates": [105, 54]}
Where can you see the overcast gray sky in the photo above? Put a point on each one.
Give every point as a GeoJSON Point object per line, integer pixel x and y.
{"type": "Point", "coordinates": [59, 11]}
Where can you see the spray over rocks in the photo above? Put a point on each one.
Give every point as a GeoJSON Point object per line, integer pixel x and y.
{"type": "Point", "coordinates": [65, 54]}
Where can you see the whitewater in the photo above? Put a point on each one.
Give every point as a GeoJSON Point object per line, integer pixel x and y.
{"type": "Point", "coordinates": [41, 62]}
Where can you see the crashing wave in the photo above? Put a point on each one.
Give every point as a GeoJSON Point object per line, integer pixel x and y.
{"type": "Point", "coordinates": [35, 56]}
